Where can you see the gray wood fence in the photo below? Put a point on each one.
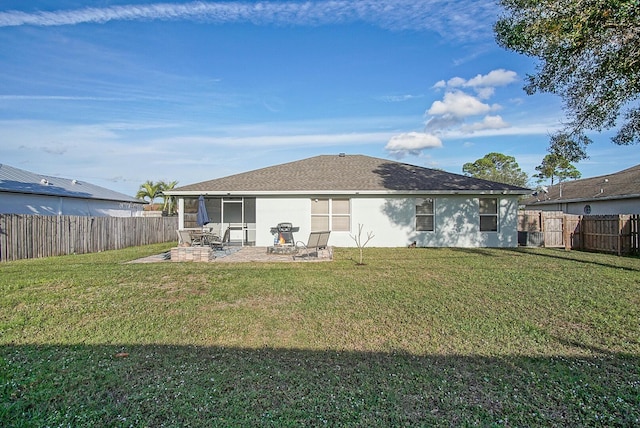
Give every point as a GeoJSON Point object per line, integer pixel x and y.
{"type": "Point", "coordinates": [617, 234]}
{"type": "Point", "coordinates": [33, 236]}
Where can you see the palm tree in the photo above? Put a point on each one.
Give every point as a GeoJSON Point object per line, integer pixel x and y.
{"type": "Point", "coordinates": [169, 201]}
{"type": "Point", "coordinates": [149, 190]}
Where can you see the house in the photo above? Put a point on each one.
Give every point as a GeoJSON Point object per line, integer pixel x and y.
{"type": "Point", "coordinates": [617, 193]}
{"type": "Point", "coordinates": [24, 192]}
{"type": "Point", "coordinates": [398, 202]}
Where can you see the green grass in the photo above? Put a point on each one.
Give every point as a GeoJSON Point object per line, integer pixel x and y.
{"type": "Point", "coordinates": [420, 337]}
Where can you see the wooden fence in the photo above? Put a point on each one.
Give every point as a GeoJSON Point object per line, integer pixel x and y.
{"type": "Point", "coordinates": [617, 234]}
{"type": "Point", "coordinates": [34, 236]}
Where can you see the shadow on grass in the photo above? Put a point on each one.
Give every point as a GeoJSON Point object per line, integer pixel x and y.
{"type": "Point", "coordinates": [622, 262]}
{"type": "Point", "coordinates": [482, 251]}
{"type": "Point", "coordinates": [218, 386]}
{"type": "Point", "coordinates": [628, 263]}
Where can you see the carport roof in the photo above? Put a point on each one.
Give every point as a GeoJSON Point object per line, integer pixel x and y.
{"type": "Point", "coordinates": [17, 180]}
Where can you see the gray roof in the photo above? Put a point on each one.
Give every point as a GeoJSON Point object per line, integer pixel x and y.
{"type": "Point", "coordinates": [16, 180]}
{"type": "Point", "coordinates": [619, 185]}
{"type": "Point", "coordinates": [346, 173]}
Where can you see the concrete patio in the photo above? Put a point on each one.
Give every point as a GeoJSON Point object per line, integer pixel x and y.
{"type": "Point", "coordinates": [243, 254]}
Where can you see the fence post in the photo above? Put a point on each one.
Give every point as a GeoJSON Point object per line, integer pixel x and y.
{"type": "Point", "coordinates": [566, 235]}
{"type": "Point", "coordinates": [619, 235]}
{"type": "Point", "coordinates": [582, 243]}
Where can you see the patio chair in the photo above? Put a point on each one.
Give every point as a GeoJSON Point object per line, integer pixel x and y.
{"type": "Point", "coordinates": [184, 238]}
{"type": "Point", "coordinates": [217, 243]}
{"type": "Point", "coordinates": [317, 241]}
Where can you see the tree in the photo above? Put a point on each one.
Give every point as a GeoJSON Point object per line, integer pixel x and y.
{"type": "Point", "coordinates": [169, 201]}
{"type": "Point", "coordinates": [358, 240]}
{"type": "Point", "coordinates": [555, 166]}
{"type": "Point", "coordinates": [590, 56]}
{"type": "Point", "coordinates": [497, 167]}
{"type": "Point", "coordinates": [149, 190]}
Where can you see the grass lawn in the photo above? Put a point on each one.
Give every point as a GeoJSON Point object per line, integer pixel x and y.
{"type": "Point", "coordinates": [415, 337]}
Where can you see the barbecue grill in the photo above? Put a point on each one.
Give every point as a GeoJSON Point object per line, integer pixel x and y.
{"type": "Point", "coordinates": [283, 234]}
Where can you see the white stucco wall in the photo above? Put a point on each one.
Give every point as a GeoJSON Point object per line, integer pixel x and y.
{"type": "Point", "coordinates": [392, 221]}
{"type": "Point", "coordinates": [271, 211]}
{"type": "Point", "coordinates": [17, 203]}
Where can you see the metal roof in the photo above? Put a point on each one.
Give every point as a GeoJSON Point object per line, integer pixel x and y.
{"type": "Point", "coordinates": [16, 180]}
{"type": "Point", "coordinates": [346, 174]}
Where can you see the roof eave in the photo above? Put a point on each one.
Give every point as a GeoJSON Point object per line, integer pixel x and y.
{"type": "Point", "coordinates": [346, 192]}
{"type": "Point", "coordinates": [593, 199]}
{"type": "Point", "coordinates": [131, 201]}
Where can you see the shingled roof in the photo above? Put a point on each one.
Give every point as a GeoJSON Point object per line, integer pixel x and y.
{"type": "Point", "coordinates": [17, 180]}
{"type": "Point", "coordinates": [345, 173]}
{"type": "Point", "coordinates": [624, 184]}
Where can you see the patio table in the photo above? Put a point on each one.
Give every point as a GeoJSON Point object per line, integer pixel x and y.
{"type": "Point", "coordinates": [203, 238]}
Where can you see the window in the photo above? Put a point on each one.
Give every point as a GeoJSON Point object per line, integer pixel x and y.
{"type": "Point", "coordinates": [488, 215]}
{"type": "Point", "coordinates": [319, 215]}
{"type": "Point", "coordinates": [424, 214]}
{"type": "Point", "coordinates": [330, 214]}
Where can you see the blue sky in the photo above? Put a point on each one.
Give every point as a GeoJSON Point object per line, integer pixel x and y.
{"type": "Point", "coordinates": [119, 92]}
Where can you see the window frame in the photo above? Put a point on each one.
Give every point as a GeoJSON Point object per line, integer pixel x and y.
{"type": "Point", "coordinates": [489, 215]}
{"type": "Point", "coordinates": [331, 216]}
{"type": "Point", "coordinates": [418, 215]}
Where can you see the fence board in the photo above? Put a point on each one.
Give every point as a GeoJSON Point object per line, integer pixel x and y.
{"type": "Point", "coordinates": [33, 236]}
{"type": "Point", "coordinates": [530, 221]}
{"type": "Point", "coordinates": [634, 234]}
{"type": "Point", "coordinates": [572, 225]}
{"type": "Point", "coordinates": [552, 227]}
{"type": "Point", "coordinates": [602, 234]}
{"type": "Point", "coordinates": [617, 234]}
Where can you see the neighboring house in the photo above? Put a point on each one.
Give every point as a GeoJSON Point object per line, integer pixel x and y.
{"type": "Point", "coordinates": [617, 193]}
{"type": "Point", "coordinates": [23, 192]}
{"type": "Point", "coordinates": [398, 202]}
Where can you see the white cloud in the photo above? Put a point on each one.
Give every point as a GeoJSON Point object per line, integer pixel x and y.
{"type": "Point", "coordinates": [493, 79]}
{"type": "Point", "coordinates": [456, 82]}
{"type": "Point", "coordinates": [57, 98]}
{"type": "Point", "coordinates": [542, 129]}
{"type": "Point", "coordinates": [483, 85]}
{"type": "Point", "coordinates": [446, 117]}
{"type": "Point", "coordinates": [489, 122]}
{"type": "Point", "coordinates": [412, 143]}
{"type": "Point", "coordinates": [299, 140]}
{"type": "Point", "coordinates": [175, 151]}
{"type": "Point", "coordinates": [485, 93]}
{"type": "Point", "coordinates": [499, 77]}
{"type": "Point", "coordinates": [461, 19]}
{"type": "Point", "coordinates": [440, 123]}
{"type": "Point", "coordinates": [398, 98]}
{"type": "Point", "coordinates": [459, 104]}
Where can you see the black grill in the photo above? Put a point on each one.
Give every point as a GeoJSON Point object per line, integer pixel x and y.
{"type": "Point", "coordinates": [283, 234]}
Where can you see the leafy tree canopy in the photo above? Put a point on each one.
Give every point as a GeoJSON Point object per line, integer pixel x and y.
{"type": "Point", "coordinates": [554, 166]}
{"type": "Point", "coordinates": [590, 56]}
{"type": "Point", "coordinates": [497, 167]}
{"type": "Point", "coordinates": [169, 201]}
{"type": "Point", "coordinates": [149, 190]}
